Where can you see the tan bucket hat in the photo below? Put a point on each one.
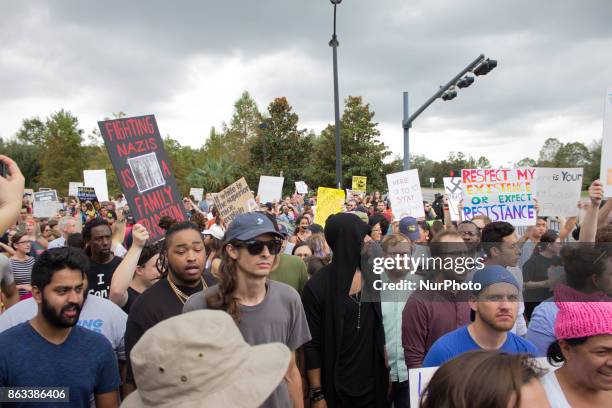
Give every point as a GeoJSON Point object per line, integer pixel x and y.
{"type": "Point", "coordinates": [200, 359]}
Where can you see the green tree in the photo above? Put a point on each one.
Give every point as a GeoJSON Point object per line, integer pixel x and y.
{"type": "Point", "coordinates": [280, 147]}
{"type": "Point", "coordinates": [363, 154]}
{"type": "Point", "coordinates": [572, 155]}
{"type": "Point", "coordinates": [243, 128]}
{"type": "Point", "coordinates": [62, 156]}
{"type": "Point", "coordinates": [214, 175]}
{"type": "Point", "coordinates": [548, 152]}
{"type": "Point", "coordinates": [483, 163]}
{"type": "Point", "coordinates": [526, 162]}
{"type": "Point", "coordinates": [27, 158]}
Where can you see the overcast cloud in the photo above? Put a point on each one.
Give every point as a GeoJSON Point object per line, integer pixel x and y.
{"type": "Point", "coordinates": [188, 61]}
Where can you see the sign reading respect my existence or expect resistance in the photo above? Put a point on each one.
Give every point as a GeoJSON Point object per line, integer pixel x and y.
{"type": "Point", "coordinates": [500, 194]}
{"type": "Point", "coordinates": [137, 152]}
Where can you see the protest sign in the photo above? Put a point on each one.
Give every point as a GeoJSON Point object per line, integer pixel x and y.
{"type": "Point", "coordinates": [97, 180]}
{"type": "Point", "coordinates": [359, 183]}
{"type": "Point", "coordinates": [197, 193]}
{"type": "Point", "coordinates": [418, 378]}
{"type": "Point", "coordinates": [329, 202]}
{"type": "Point", "coordinates": [45, 204]}
{"type": "Point", "coordinates": [28, 191]}
{"type": "Point", "coordinates": [270, 189]}
{"type": "Point", "coordinates": [558, 191]}
{"type": "Point", "coordinates": [137, 152]}
{"type": "Point", "coordinates": [500, 194]}
{"type": "Point", "coordinates": [605, 172]}
{"type": "Point", "coordinates": [86, 194]}
{"type": "Point", "coordinates": [454, 192]}
{"type": "Point", "coordinates": [301, 187]}
{"type": "Point", "coordinates": [236, 199]}
{"type": "Point", "coordinates": [351, 194]}
{"type": "Point", "coordinates": [405, 194]}
{"type": "Point", "coordinates": [73, 188]}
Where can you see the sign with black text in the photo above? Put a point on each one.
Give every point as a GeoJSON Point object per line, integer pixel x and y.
{"type": "Point", "coordinates": [137, 152]}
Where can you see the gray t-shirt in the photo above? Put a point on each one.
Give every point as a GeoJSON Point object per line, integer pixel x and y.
{"type": "Point", "coordinates": [279, 318]}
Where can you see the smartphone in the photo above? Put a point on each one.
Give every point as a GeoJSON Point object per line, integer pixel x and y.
{"type": "Point", "coordinates": [2, 169]}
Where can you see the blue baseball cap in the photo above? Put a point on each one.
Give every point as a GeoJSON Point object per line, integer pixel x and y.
{"type": "Point", "coordinates": [248, 226]}
{"type": "Point", "coordinates": [410, 228]}
{"type": "Point", "coordinates": [492, 274]}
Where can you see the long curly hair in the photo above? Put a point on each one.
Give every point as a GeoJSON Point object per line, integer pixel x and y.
{"type": "Point", "coordinates": [224, 299]}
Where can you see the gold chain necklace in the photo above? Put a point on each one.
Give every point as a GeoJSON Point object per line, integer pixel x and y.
{"type": "Point", "coordinates": [179, 293]}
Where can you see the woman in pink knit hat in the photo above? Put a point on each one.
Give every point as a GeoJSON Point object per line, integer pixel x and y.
{"type": "Point", "coordinates": [584, 345]}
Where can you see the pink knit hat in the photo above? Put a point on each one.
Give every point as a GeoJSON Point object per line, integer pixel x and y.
{"type": "Point", "coordinates": [583, 319]}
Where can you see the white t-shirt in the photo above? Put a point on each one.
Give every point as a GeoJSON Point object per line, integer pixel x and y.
{"type": "Point", "coordinates": [555, 395]}
{"type": "Point", "coordinates": [98, 314]}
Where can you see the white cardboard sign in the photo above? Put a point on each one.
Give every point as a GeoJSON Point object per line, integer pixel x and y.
{"type": "Point", "coordinates": [270, 189]}
{"type": "Point", "coordinates": [97, 180]}
{"type": "Point", "coordinates": [405, 194]}
{"type": "Point", "coordinates": [558, 191]}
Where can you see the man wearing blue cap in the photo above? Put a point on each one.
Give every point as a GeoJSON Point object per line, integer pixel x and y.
{"type": "Point", "coordinates": [494, 304]}
{"type": "Point", "coordinates": [265, 311]}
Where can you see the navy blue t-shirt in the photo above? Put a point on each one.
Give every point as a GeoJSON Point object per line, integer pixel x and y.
{"type": "Point", "coordinates": [85, 363]}
{"type": "Point", "coordinates": [459, 341]}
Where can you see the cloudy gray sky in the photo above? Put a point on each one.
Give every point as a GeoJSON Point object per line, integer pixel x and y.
{"type": "Point", "coordinates": [188, 61]}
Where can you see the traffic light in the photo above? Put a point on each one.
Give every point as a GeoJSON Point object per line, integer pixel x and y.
{"type": "Point", "coordinates": [485, 67]}
{"type": "Point", "coordinates": [448, 95]}
{"type": "Point", "coordinates": [465, 82]}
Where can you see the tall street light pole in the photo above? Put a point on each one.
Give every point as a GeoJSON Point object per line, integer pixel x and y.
{"type": "Point", "coordinates": [334, 44]}
{"type": "Point", "coordinates": [479, 66]}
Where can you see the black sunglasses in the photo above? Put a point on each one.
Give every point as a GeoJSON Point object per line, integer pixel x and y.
{"type": "Point", "coordinates": [256, 247]}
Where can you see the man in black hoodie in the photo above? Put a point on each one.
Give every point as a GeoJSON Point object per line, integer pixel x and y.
{"type": "Point", "coordinates": [345, 359]}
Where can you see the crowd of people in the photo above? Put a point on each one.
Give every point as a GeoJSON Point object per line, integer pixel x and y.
{"type": "Point", "coordinates": [274, 310]}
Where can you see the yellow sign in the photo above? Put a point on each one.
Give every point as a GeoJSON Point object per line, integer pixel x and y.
{"type": "Point", "coordinates": [359, 183]}
{"type": "Point", "coordinates": [329, 202]}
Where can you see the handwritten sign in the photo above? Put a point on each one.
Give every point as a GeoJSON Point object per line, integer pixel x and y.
{"type": "Point", "coordinates": [405, 194]}
{"type": "Point", "coordinates": [329, 202]}
{"type": "Point", "coordinates": [558, 191]}
{"type": "Point", "coordinates": [359, 183]}
{"type": "Point", "coordinates": [453, 188]}
{"type": "Point", "coordinates": [500, 194]}
{"type": "Point", "coordinates": [234, 200]}
{"type": "Point", "coordinates": [605, 174]}
{"type": "Point", "coordinates": [270, 189]}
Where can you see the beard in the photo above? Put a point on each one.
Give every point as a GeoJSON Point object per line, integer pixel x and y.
{"type": "Point", "coordinates": [498, 325]}
{"type": "Point", "coordinates": [58, 319]}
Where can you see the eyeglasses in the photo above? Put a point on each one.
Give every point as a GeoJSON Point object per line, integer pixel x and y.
{"type": "Point", "coordinates": [469, 233]}
{"type": "Point", "coordinates": [256, 247]}
{"type": "Point", "coordinates": [24, 242]}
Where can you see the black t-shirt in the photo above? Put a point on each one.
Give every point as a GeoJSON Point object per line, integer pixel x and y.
{"type": "Point", "coordinates": [132, 296]}
{"type": "Point", "coordinates": [100, 275]}
{"type": "Point", "coordinates": [157, 303]}
{"type": "Point", "coordinates": [356, 359]}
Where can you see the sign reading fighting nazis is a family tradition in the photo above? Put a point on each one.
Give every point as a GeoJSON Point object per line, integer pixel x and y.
{"type": "Point", "coordinates": [137, 152]}
{"type": "Point", "coordinates": [234, 200]}
{"type": "Point", "coordinates": [405, 194]}
{"type": "Point", "coordinates": [558, 191]}
{"type": "Point", "coordinates": [500, 194]}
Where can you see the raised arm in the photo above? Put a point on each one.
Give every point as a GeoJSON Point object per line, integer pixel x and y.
{"type": "Point", "coordinates": [125, 271]}
{"type": "Point", "coordinates": [588, 228]}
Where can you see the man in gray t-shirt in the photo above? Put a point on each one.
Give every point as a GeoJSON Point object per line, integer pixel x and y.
{"type": "Point", "coordinates": [270, 311]}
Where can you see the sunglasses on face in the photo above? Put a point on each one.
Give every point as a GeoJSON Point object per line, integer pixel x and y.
{"type": "Point", "coordinates": [256, 247]}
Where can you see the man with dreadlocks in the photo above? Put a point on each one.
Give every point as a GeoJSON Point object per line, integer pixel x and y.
{"type": "Point", "coordinates": [265, 311]}
{"type": "Point", "coordinates": [181, 264]}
